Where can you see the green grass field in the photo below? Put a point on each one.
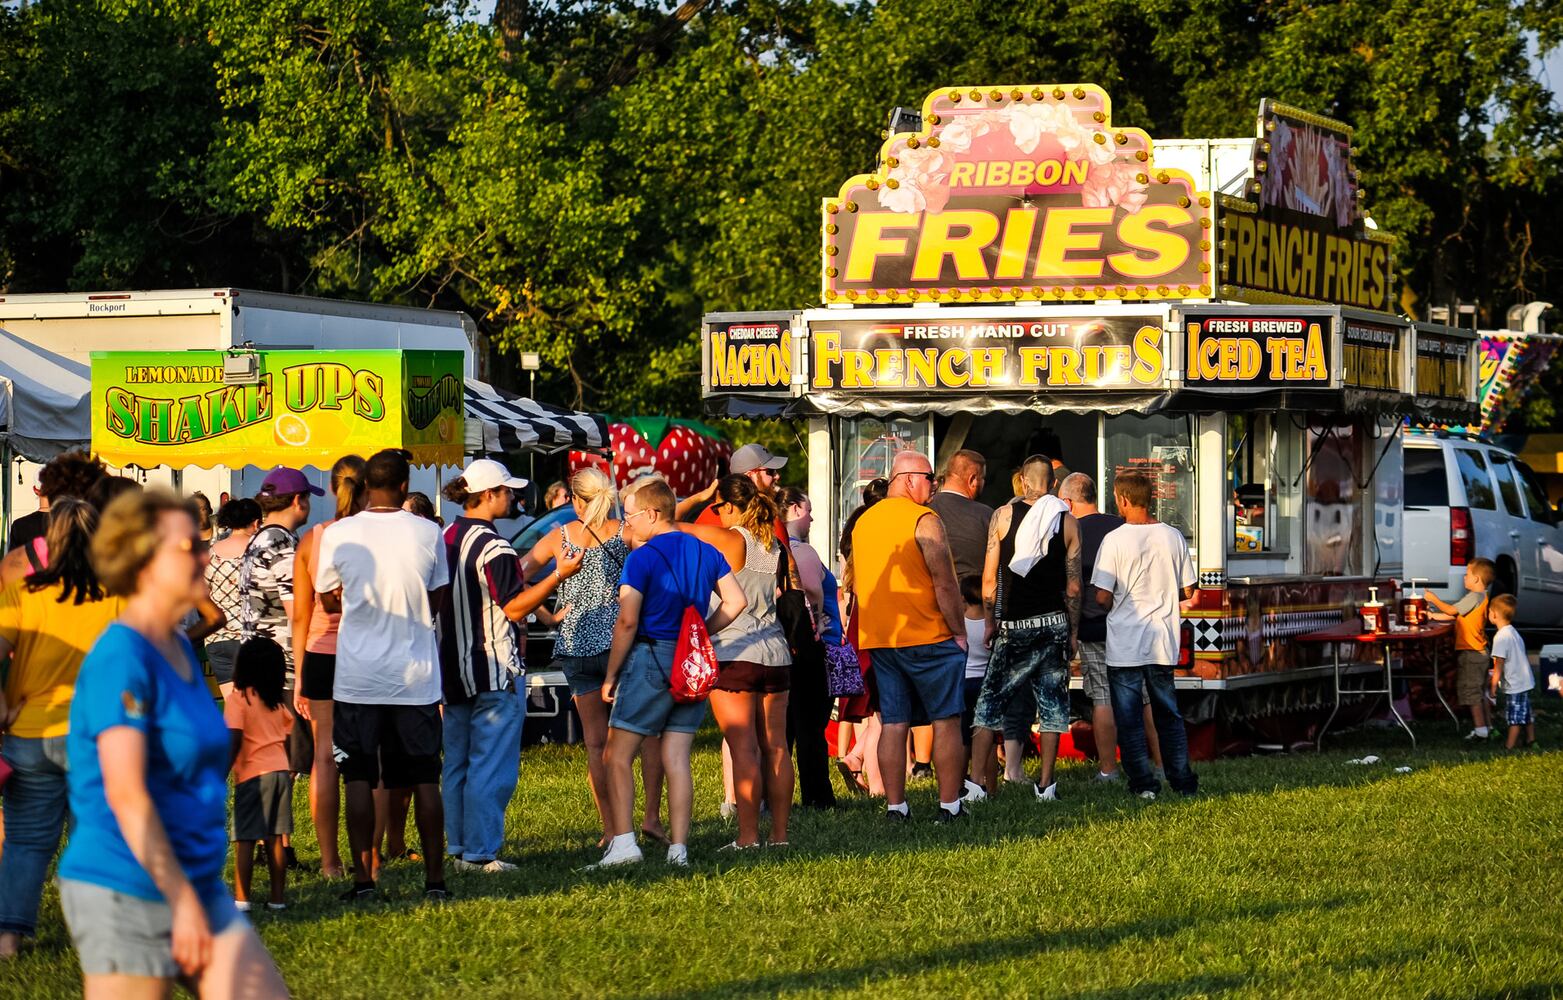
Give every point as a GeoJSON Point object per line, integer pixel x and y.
{"type": "Point", "coordinates": [1295, 875]}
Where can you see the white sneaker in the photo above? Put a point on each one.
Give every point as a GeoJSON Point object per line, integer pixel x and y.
{"type": "Point", "coordinates": [629, 855]}
{"type": "Point", "coordinates": [493, 867]}
{"type": "Point", "coordinates": [1103, 778]}
{"type": "Point", "coordinates": [1148, 796]}
{"type": "Point", "coordinates": [678, 854]}
{"type": "Point", "coordinates": [241, 905]}
{"type": "Point", "coordinates": [1048, 794]}
{"type": "Point", "coordinates": [974, 793]}
{"type": "Point", "coordinates": [1474, 737]}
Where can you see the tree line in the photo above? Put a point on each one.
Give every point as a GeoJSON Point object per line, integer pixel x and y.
{"type": "Point", "coordinates": [586, 178]}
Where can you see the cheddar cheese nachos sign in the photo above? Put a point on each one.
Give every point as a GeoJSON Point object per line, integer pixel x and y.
{"type": "Point", "coordinates": [1017, 193]}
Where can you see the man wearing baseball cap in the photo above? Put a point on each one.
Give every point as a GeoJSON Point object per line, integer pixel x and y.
{"type": "Point", "coordinates": [266, 584]}
{"type": "Point", "coordinates": [483, 659]}
{"type": "Point", "coordinates": [763, 468]}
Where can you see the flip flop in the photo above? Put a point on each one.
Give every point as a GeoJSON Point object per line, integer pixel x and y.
{"type": "Point", "coordinates": [854, 779]}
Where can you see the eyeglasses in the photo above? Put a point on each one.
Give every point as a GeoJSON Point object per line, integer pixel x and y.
{"type": "Point", "coordinates": [926, 475]}
{"type": "Point", "coordinates": [630, 517]}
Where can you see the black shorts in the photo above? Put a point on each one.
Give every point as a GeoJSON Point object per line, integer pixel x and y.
{"type": "Point", "coordinates": [301, 739]}
{"type": "Point", "coordinates": [745, 676]}
{"type": "Point", "coordinates": [319, 676]}
{"type": "Point", "coordinates": [399, 743]}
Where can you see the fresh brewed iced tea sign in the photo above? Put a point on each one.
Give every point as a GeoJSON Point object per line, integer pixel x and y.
{"type": "Point", "coordinates": [1017, 194]}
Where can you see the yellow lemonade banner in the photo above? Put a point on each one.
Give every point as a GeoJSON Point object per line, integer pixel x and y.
{"type": "Point", "coordinates": [300, 408]}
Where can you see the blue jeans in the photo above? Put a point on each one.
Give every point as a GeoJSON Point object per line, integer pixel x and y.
{"type": "Point", "coordinates": [482, 764]}
{"type": "Point", "coordinates": [1129, 685]}
{"type": "Point", "coordinates": [35, 807]}
{"type": "Point", "coordinates": [1034, 659]}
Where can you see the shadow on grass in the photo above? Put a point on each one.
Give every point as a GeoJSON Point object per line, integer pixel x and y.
{"type": "Point", "coordinates": [1030, 944]}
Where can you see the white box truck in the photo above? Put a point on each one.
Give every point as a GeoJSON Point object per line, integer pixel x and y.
{"type": "Point", "coordinates": [73, 325]}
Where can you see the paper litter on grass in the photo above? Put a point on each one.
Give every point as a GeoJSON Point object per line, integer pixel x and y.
{"type": "Point", "coordinates": [1369, 759]}
{"type": "Point", "coordinates": [1405, 769]}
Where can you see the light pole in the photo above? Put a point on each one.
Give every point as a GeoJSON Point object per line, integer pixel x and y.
{"type": "Point", "coordinates": [530, 363]}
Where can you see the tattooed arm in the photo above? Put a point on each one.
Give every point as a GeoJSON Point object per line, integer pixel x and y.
{"type": "Point", "coordinates": [998, 527]}
{"type": "Point", "coordinates": [1074, 586]}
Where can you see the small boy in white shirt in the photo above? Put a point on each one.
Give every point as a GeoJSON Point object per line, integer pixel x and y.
{"type": "Point", "coordinates": [1511, 666]}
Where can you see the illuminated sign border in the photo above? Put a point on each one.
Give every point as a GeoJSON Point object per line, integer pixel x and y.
{"type": "Point", "coordinates": [1125, 141]}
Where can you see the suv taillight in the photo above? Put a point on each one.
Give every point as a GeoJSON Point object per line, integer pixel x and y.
{"type": "Point", "coordinates": [1462, 538]}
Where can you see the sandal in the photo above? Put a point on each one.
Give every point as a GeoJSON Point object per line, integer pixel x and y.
{"type": "Point", "coordinates": [853, 779]}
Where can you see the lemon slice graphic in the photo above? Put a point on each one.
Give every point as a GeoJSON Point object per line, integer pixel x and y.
{"type": "Point", "coordinates": [290, 429]}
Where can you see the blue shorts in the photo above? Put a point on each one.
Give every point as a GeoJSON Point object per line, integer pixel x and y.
{"type": "Point", "coordinates": [583, 673]}
{"type": "Point", "coordinates": [1035, 658]}
{"type": "Point", "coordinates": [643, 702]}
{"type": "Point", "coordinates": [1516, 709]}
{"type": "Point", "coordinates": [932, 673]}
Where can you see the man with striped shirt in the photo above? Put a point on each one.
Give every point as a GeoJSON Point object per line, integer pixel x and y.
{"type": "Point", "coordinates": [482, 657]}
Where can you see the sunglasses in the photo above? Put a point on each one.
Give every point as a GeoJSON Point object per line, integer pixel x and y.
{"type": "Point", "coordinates": [926, 475]}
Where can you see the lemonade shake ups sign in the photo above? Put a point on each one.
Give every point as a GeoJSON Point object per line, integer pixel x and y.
{"type": "Point", "coordinates": [302, 408]}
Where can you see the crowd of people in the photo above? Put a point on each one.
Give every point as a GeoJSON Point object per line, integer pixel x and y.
{"type": "Point", "coordinates": [381, 653]}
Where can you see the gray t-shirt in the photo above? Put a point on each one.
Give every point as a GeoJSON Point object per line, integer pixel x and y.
{"type": "Point", "coordinates": [966, 526]}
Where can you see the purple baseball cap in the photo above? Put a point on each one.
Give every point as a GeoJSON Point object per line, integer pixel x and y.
{"type": "Point", "coordinates": [283, 481]}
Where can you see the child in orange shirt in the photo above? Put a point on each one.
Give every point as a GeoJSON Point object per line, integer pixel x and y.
{"type": "Point", "coordinates": [1469, 614]}
{"type": "Point", "coordinates": [258, 727]}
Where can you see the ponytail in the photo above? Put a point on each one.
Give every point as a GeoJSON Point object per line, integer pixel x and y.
{"type": "Point", "coordinates": [756, 509]}
{"type": "Point", "coordinates": [595, 490]}
{"type": "Point", "coordinates": [456, 492]}
{"type": "Point", "coordinates": [347, 484]}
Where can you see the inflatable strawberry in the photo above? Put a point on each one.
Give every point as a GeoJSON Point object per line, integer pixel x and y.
{"type": "Point", "coordinates": [687, 453]}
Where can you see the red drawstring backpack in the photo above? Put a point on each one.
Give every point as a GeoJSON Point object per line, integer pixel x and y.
{"type": "Point", "coordinates": [694, 660]}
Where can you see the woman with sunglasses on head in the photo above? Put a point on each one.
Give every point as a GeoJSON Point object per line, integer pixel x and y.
{"type": "Point", "coordinates": [47, 624]}
{"type": "Point", "coordinates": [141, 881]}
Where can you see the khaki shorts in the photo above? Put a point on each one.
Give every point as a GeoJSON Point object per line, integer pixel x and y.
{"type": "Point", "coordinates": [1093, 674]}
{"type": "Point", "coordinates": [1470, 678]}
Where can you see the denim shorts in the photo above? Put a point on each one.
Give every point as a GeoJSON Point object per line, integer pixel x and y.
{"type": "Point", "coordinates": [643, 703]}
{"type": "Point", "coordinates": [1035, 657]}
{"type": "Point", "coordinates": [116, 933]}
{"type": "Point", "coordinates": [931, 674]}
{"type": "Point", "coordinates": [1516, 709]}
{"type": "Point", "coordinates": [584, 673]}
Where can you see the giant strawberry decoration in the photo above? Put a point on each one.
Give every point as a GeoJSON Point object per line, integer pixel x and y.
{"type": "Point", "coordinates": [687, 453]}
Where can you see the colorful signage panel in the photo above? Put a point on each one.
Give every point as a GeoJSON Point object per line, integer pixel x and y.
{"type": "Point", "coordinates": [302, 407]}
{"type": "Point", "coordinates": [1025, 193]}
{"type": "Point", "coordinates": [1234, 351]}
{"type": "Point", "coordinates": [748, 354]}
{"type": "Point", "coordinates": [1301, 237]}
{"type": "Point", "coordinates": [993, 353]}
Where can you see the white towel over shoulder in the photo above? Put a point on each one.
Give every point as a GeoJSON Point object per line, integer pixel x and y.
{"type": "Point", "coordinates": [1036, 531]}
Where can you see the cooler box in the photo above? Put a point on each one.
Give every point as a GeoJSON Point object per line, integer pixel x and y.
{"type": "Point", "coordinates": [550, 714]}
{"type": "Point", "coordinates": [1549, 674]}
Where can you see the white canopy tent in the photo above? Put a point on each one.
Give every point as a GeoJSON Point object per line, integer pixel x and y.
{"type": "Point", "coordinates": [45, 401]}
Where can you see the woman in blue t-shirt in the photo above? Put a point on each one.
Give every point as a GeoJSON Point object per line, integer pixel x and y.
{"type": "Point", "coordinates": [141, 880]}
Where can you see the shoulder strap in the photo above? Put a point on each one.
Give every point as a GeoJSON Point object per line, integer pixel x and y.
{"type": "Point", "coordinates": [31, 548]}
{"type": "Point", "coordinates": [699, 564]}
{"type": "Point", "coordinates": [603, 546]}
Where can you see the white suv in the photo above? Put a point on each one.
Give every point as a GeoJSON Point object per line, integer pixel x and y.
{"type": "Point", "coordinates": [1466, 499]}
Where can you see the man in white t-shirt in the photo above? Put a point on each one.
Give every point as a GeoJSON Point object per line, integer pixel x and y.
{"type": "Point", "coordinates": [1142, 571]}
{"type": "Point", "coordinates": [381, 569]}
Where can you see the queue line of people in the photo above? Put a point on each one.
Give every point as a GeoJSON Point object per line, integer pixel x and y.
{"type": "Point", "coordinates": [385, 650]}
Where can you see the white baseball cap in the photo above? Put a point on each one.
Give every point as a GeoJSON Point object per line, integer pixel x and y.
{"type": "Point", "coordinates": [487, 474]}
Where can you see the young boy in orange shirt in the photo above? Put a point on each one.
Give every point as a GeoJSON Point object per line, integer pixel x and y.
{"type": "Point", "coordinates": [1469, 614]}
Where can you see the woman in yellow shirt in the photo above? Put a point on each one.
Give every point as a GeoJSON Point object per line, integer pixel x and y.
{"type": "Point", "coordinates": [47, 623]}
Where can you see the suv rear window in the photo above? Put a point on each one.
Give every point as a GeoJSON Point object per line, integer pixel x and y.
{"type": "Point", "coordinates": [1427, 485]}
{"type": "Point", "coordinates": [1473, 471]}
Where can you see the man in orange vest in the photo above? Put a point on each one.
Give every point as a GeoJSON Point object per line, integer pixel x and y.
{"type": "Point", "coordinates": [911, 621]}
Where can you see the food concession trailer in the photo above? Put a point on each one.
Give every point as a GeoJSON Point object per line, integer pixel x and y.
{"type": "Point", "coordinates": [1021, 275]}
